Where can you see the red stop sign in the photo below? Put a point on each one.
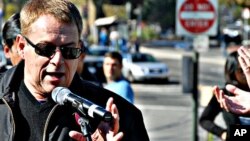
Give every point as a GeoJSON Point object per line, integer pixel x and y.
{"type": "Point", "coordinates": [197, 16]}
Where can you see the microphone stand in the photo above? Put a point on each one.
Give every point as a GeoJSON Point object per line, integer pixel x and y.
{"type": "Point", "coordinates": [85, 128]}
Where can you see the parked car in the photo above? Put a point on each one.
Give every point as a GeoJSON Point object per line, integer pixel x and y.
{"type": "Point", "coordinates": [233, 33]}
{"type": "Point", "coordinates": [94, 60]}
{"type": "Point", "coordinates": [142, 66]}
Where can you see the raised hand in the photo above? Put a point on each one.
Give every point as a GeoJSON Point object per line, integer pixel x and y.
{"type": "Point", "coordinates": [244, 59]}
{"type": "Point", "coordinates": [105, 131]}
{"type": "Point", "coordinates": [238, 104]}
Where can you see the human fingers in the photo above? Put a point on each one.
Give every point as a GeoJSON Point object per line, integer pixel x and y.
{"type": "Point", "coordinates": [76, 136]}
{"type": "Point", "coordinates": [219, 95]}
{"type": "Point", "coordinates": [243, 52]}
{"type": "Point", "coordinates": [246, 68]}
{"type": "Point", "coordinates": [243, 64]}
{"type": "Point", "coordinates": [115, 114]}
{"type": "Point", "coordinates": [111, 107]}
{"type": "Point", "coordinates": [216, 91]}
{"type": "Point", "coordinates": [236, 91]}
{"type": "Point", "coordinates": [111, 137]}
{"type": "Point", "coordinates": [228, 103]}
{"type": "Point", "coordinates": [109, 104]}
{"type": "Point", "coordinates": [221, 98]}
{"type": "Point", "coordinates": [244, 59]}
{"type": "Point", "coordinates": [234, 107]}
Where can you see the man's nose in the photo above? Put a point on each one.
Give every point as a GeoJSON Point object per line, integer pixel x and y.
{"type": "Point", "coordinates": [57, 57]}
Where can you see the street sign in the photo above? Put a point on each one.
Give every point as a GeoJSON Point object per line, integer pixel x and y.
{"type": "Point", "coordinates": [201, 43]}
{"type": "Point", "coordinates": [196, 17]}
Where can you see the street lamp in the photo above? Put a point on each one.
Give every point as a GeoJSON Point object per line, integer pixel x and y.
{"type": "Point", "coordinates": [245, 15]}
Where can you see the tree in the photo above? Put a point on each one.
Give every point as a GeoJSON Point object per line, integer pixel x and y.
{"type": "Point", "coordinates": [99, 10]}
{"type": "Point", "coordinates": [99, 4]}
{"type": "Point", "coordinates": [243, 3]}
{"type": "Point", "coordinates": [162, 11]}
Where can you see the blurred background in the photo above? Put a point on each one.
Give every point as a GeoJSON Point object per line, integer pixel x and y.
{"type": "Point", "coordinates": [181, 51]}
{"type": "Point", "coordinates": [149, 19]}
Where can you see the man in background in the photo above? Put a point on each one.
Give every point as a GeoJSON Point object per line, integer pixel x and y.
{"type": "Point", "coordinates": [112, 68]}
{"type": "Point", "coordinates": [11, 29]}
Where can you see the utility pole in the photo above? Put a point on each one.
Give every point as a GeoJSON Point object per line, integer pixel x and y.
{"type": "Point", "coordinates": [245, 16]}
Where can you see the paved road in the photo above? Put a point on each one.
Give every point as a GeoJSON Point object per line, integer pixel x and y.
{"type": "Point", "coordinates": [168, 113]}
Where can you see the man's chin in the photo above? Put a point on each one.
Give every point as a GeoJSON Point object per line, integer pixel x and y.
{"type": "Point", "coordinates": [49, 88]}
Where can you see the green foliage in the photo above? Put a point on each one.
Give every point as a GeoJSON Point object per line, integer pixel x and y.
{"type": "Point", "coordinates": [78, 2]}
{"type": "Point", "coordinates": [147, 34]}
{"type": "Point", "coordinates": [237, 12]}
{"type": "Point", "coordinates": [162, 11]}
{"type": "Point", "coordinates": [10, 9]}
{"type": "Point", "coordinates": [118, 10]}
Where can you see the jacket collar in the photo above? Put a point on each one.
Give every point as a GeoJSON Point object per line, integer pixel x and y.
{"type": "Point", "coordinates": [11, 79]}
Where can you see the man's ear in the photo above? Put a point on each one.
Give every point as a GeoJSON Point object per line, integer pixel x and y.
{"type": "Point", "coordinates": [6, 51]}
{"type": "Point", "coordinates": [20, 41]}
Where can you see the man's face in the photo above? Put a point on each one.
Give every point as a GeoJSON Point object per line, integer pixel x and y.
{"type": "Point", "coordinates": [42, 74]}
{"type": "Point", "coordinates": [111, 68]}
{"type": "Point", "coordinates": [12, 53]}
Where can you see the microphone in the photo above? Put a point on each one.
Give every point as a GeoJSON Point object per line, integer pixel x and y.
{"type": "Point", "coordinates": [63, 96]}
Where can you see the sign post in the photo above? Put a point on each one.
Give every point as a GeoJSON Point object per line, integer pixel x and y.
{"type": "Point", "coordinates": [245, 16]}
{"type": "Point", "coordinates": [197, 19]}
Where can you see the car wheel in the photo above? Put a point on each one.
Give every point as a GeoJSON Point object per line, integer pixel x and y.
{"type": "Point", "coordinates": [130, 77]}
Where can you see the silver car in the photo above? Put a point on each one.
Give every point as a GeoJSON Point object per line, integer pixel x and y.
{"type": "Point", "coordinates": [142, 66]}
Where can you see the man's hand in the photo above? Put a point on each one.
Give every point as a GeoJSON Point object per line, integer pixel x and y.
{"type": "Point", "coordinates": [244, 60]}
{"type": "Point", "coordinates": [105, 131]}
{"type": "Point", "coordinates": [238, 104]}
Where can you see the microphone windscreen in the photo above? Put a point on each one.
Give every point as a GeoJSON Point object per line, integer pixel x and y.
{"type": "Point", "coordinates": [59, 94]}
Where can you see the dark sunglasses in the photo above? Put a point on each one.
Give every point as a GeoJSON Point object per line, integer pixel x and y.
{"type": "Point", "coordinates": [48, 50]}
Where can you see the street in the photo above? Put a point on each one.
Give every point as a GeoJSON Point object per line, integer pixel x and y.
{"type": "Point", "coordinates": [168, 112]}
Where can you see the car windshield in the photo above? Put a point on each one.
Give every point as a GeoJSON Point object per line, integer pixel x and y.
{"type": "Point", "coordinates": [143, 58]}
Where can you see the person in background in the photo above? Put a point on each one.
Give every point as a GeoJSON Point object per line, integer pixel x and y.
{"type": "Point", "coordinates": [49, 45]}
{"type": "Point", "coordinates": [137, 44]}
{"type": "Point", "coordinates": [114, 37]}
{"type": "Point", "coordinates": [10, 30]}
{"type": "Point", "coordinates": [239, 102]}
{"type": "Point", "coordinates": [112, 68]}
{"type": "Point", "coordinates": [103, 37]}
{"type": "Point", "coordinates": [233, 75]}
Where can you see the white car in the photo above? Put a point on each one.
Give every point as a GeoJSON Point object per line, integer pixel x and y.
{"type": "Point", "coordinates": [142, 66]}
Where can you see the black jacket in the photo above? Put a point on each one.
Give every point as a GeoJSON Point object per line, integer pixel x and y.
{"type": "Point", "coordinates": [60, 120]}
